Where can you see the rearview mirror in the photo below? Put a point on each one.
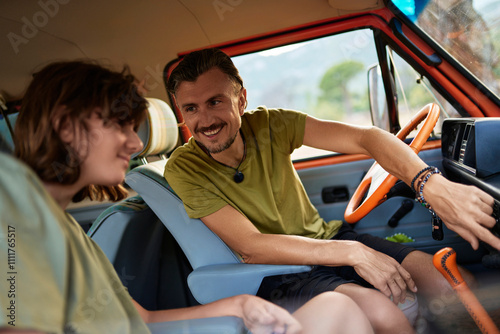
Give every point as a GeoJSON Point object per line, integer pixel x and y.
{"type": "Point", "coordinates": [378, 102]}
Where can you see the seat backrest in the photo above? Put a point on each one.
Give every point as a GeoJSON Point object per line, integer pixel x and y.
{"type": "Point", "coordinates": [160, 135]}
{"type": "Point", "coordinates": [201, 246]}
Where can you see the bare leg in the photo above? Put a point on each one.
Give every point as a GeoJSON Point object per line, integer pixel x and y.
{"type": "Point", "coordinates": [332, 312]}
{"type": "Point", "coordinates": [383, 314]}
{"type": "Point", "coordinates": [430, 283]}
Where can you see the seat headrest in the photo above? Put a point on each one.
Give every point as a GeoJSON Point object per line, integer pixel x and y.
{"type": "Point", "coordinates": [159, 132]}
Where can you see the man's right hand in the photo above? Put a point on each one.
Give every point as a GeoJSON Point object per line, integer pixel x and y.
{"type": "Point", "coordinates": [383, 272]}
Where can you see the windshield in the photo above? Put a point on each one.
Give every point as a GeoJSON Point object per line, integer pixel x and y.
{"type": "Point", "coordinates": [469, 30]}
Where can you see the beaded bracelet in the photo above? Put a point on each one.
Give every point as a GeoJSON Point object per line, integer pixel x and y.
{"type": "Point", "coordinates": [421, 179]}
{"type": "Point", "coordinates": [420, 194]}
{"type": "Point", "coordinates": [417, 176]}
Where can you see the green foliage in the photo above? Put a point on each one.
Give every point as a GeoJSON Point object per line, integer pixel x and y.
{"type": "Point", "coordinates": [338, 76]}
{"type": "Point", "coordinates": [336, 98]}
{"type": "Point", "coordinates": [400, 238]}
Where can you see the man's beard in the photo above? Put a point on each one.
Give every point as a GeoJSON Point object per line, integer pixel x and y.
{"type": "Point", "coordinates": [222, 147]}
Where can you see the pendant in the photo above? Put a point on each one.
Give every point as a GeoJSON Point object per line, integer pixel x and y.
{"type": "Point", "coordinates": [238, 177]}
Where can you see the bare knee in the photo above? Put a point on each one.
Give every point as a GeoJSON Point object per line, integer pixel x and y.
{"type": "Point", "coordinates": [388, 318]}
{"type": "Point", "coordinates": [383, 314]}
{"type": "Point", "coordinates": [338, 302]}
{"type": "Point", "coordinates": [332, 312]}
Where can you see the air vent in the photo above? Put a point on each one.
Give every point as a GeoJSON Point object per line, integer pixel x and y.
{"type": "Point", "coordinates": [463, 145]}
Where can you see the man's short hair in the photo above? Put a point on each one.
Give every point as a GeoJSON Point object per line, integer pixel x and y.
{"type": "Point", "coordinates": [198, 62]}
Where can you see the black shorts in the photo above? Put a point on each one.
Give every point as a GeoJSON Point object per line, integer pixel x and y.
{"type": "Point", "coordinates": [292, 291]}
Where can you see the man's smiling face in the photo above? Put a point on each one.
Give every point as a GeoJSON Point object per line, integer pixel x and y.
{"type": "Point", "coordinates": [212, 107]}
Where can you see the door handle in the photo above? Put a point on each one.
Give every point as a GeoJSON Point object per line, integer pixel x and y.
{"type": "Point", "coordinates": [335, 194]}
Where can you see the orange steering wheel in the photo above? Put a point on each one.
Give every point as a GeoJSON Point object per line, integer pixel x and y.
{"type": "Point", "coordinates": [377, 182]}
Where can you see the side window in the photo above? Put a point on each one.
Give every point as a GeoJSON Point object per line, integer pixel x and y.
{"type": "Point", "coordinates": [414, 92]}
{"type": "Point", "coordinates": [325, 78]}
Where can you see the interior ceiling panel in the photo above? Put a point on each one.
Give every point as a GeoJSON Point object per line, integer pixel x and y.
{"type": "Point", "coordinates": [145, 35]}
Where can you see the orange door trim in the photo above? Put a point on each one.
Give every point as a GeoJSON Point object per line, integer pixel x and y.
{"type": "Point", "coordinates": [345, 158]}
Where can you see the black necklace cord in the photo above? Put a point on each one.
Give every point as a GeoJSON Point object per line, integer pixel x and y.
{"type": "Point", "coordinates": [238, 177]}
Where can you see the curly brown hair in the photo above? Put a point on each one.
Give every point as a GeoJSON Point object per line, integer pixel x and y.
{"type": "Point", "coordinates": [70, 91]}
